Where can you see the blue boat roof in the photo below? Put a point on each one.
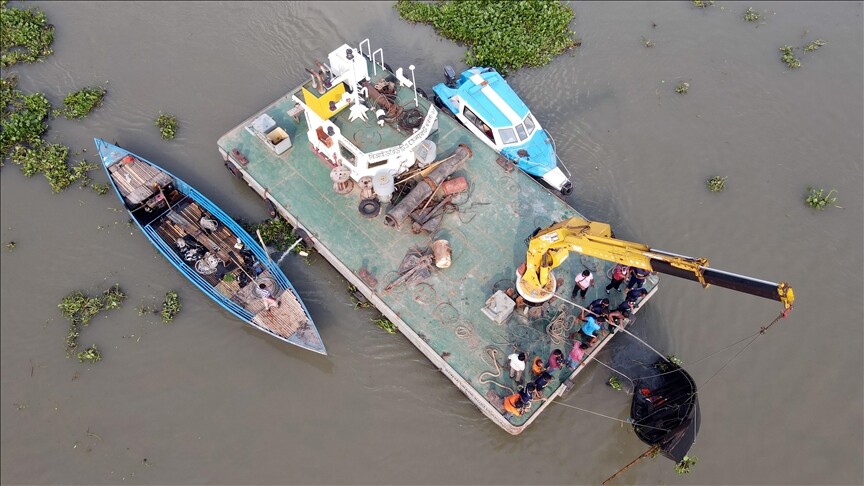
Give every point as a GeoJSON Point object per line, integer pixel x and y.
{"type": "Point", "coordinates": [491, 111]}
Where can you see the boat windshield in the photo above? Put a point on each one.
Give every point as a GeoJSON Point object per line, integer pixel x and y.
{"type": "Point", "coordinates": [520, 129]}
{"type": "Point", "coordinates": [529, 124]}
{"type": "Point", "coordinates": [507, 135]}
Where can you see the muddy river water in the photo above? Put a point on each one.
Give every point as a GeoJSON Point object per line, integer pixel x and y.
{"type": "Point", "coordinates": [205, 400]}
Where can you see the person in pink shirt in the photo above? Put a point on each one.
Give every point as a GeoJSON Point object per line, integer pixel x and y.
{"type": "Point", "coordinates": [574, 359]}
{"type": "Point", "coordinates": [555, 359]}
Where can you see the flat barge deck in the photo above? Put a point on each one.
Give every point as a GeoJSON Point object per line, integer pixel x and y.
{"type": "Point", "coordinates": [486, 228]}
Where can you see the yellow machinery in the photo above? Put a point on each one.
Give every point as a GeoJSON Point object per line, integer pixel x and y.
{"type": "Point", "coordinates": [549, 247]}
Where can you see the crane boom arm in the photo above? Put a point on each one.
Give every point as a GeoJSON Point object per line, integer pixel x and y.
{"type": "Point", "coordinates": [549, 247]}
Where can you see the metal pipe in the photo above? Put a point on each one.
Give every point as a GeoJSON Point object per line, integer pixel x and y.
{"type": "Point", "coordinates": [741, 283]}
{"type": "Point", "coordinates": [427, 186]}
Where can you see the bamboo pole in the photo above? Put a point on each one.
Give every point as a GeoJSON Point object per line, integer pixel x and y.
{"type": "Point", "coordinates": [645, 454]}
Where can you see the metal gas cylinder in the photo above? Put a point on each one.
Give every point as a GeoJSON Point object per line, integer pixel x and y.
{"type": "Point", "coordinates": [384, 185]}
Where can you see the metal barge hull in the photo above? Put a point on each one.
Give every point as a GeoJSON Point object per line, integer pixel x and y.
{"type": "Point", "coordinates": [441, 316]}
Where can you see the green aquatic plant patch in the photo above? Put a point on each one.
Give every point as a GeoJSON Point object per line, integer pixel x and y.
{"type": "Point", "coordinates": [25, 36]}
{"type": "Point", "coordinates": [686, 464]}
{"type": "Point", "coordinates": [276, 232]}
{"type": "Point", "coordinates": [90, 355]}
{"type": "Point", "coordinates": [787, 53]}
{"type": "Point", "coordinates": [51, 160]}
{"type": "Point", "coordinates": [385, 324]}
{"type": "Point", "coordinates": [751, 15]}
{"type": "Point", "coordinates": [79, 104]}
{"type": "Point", "coordinates": [80, 309]}
{"type": "Point", "coordinates": [716, 184]}
{"type": "Point", "coordinates": [167, 125]}
{"type": "Point", "coordinates": [23, 119]}
{"type": "Point", "coordinates": [506, 35]}
{"type": "Point", "coordinates": [170, 306]}
{"type": "Point", "coordinates": [818, 199]}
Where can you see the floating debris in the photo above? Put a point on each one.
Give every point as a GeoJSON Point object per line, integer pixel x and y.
{"type": "Point", "coordinates": [682, 88]}
{"type": "Point", "coordinates": [684, 466]}
{"type": "Point", "coordinates": [751, 15]}
{"type": "Point", "coordinates": [716, 184]}
{"type": "Point", "coordinates": [813, 46]}
{"type": "Point", "coordinates": [11, 245]}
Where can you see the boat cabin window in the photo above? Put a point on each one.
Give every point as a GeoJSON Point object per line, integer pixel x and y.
{"type": "Point", "coordinates": [520, 130]}
{"type": "Point", "coordinates": [484, 128]}
{"type": "Point", "coordinates": [347, 155]}
{"type": "Point", "coordinates": [377, 163]}
{"type": "Point", "coordinates": [529, 124]}
{"type": "Point", "coordinates": [507, 135]}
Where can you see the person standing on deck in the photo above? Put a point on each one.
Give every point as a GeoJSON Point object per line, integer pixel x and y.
{"type": "Point", "coordinates": [574, 359]}
{"type": "Point", "coordinates": [264, 294]}
{"type": "Point", "coordinates": [619, 273]}
{"type": "Point", "coordinates": [513, 406]}
{"type": "Point", "coordinates": [637, 278]}
{"type": "Point", "coordinates": [517, 366]}
{"type": "Point", "coordinates": [583, 281]}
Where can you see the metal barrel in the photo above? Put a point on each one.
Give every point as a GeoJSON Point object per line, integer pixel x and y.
{"type": "Point", "coordinates": [427, 186]}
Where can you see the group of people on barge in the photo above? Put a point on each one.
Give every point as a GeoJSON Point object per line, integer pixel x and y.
{"type": "Point", "coordinates": [596, 321]}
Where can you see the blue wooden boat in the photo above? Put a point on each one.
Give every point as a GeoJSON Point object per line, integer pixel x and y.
{"type": "Point", "coordinates": [209, 248]}
{"type": "Point", "coordinates": [487, 106]}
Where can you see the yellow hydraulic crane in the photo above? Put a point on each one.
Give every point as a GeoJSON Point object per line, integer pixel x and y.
{"type": "Point", "coordinates": [549, 247]}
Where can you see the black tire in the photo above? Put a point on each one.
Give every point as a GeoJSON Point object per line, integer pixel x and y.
{"type": "Point", "coordinates": [232, 170]}
{"type": "Point", "coordinates": [387, 67]}
{"type": "Point", "coordinates": [422, 93]}
{"type": "Point", "coordinates": [369, 208]}
{"type": "Point", "coordinates": [437, 101]}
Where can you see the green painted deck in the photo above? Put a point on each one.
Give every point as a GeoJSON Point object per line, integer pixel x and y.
{"type": "Point", "coordinates": [442, 315]}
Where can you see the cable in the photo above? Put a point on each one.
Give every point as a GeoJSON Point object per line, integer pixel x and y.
{"type": "Point", "coordinates": [628, 422]}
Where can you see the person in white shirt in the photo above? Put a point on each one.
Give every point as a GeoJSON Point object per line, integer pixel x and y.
{"type": "Point", "coordinates": [583, 281]}
{"type": "Point", "coordinates": [517, 366]}
{"type": "Point", "coordinates": [264, 294]}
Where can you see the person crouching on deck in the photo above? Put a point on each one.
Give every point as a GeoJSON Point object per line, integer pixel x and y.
{"type": "Point", "coordinates": [264, 294]}
{"type": "Point", "coordinates": [513, 406]}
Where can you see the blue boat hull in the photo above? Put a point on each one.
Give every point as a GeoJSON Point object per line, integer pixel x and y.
{"type": "Point", "coordinates": [301, 331]}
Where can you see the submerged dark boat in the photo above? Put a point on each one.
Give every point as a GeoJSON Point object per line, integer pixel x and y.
{"type": "Point", "coordinates": [665, 410]}
{"type": "Point", "coordinates": [209, 248]}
